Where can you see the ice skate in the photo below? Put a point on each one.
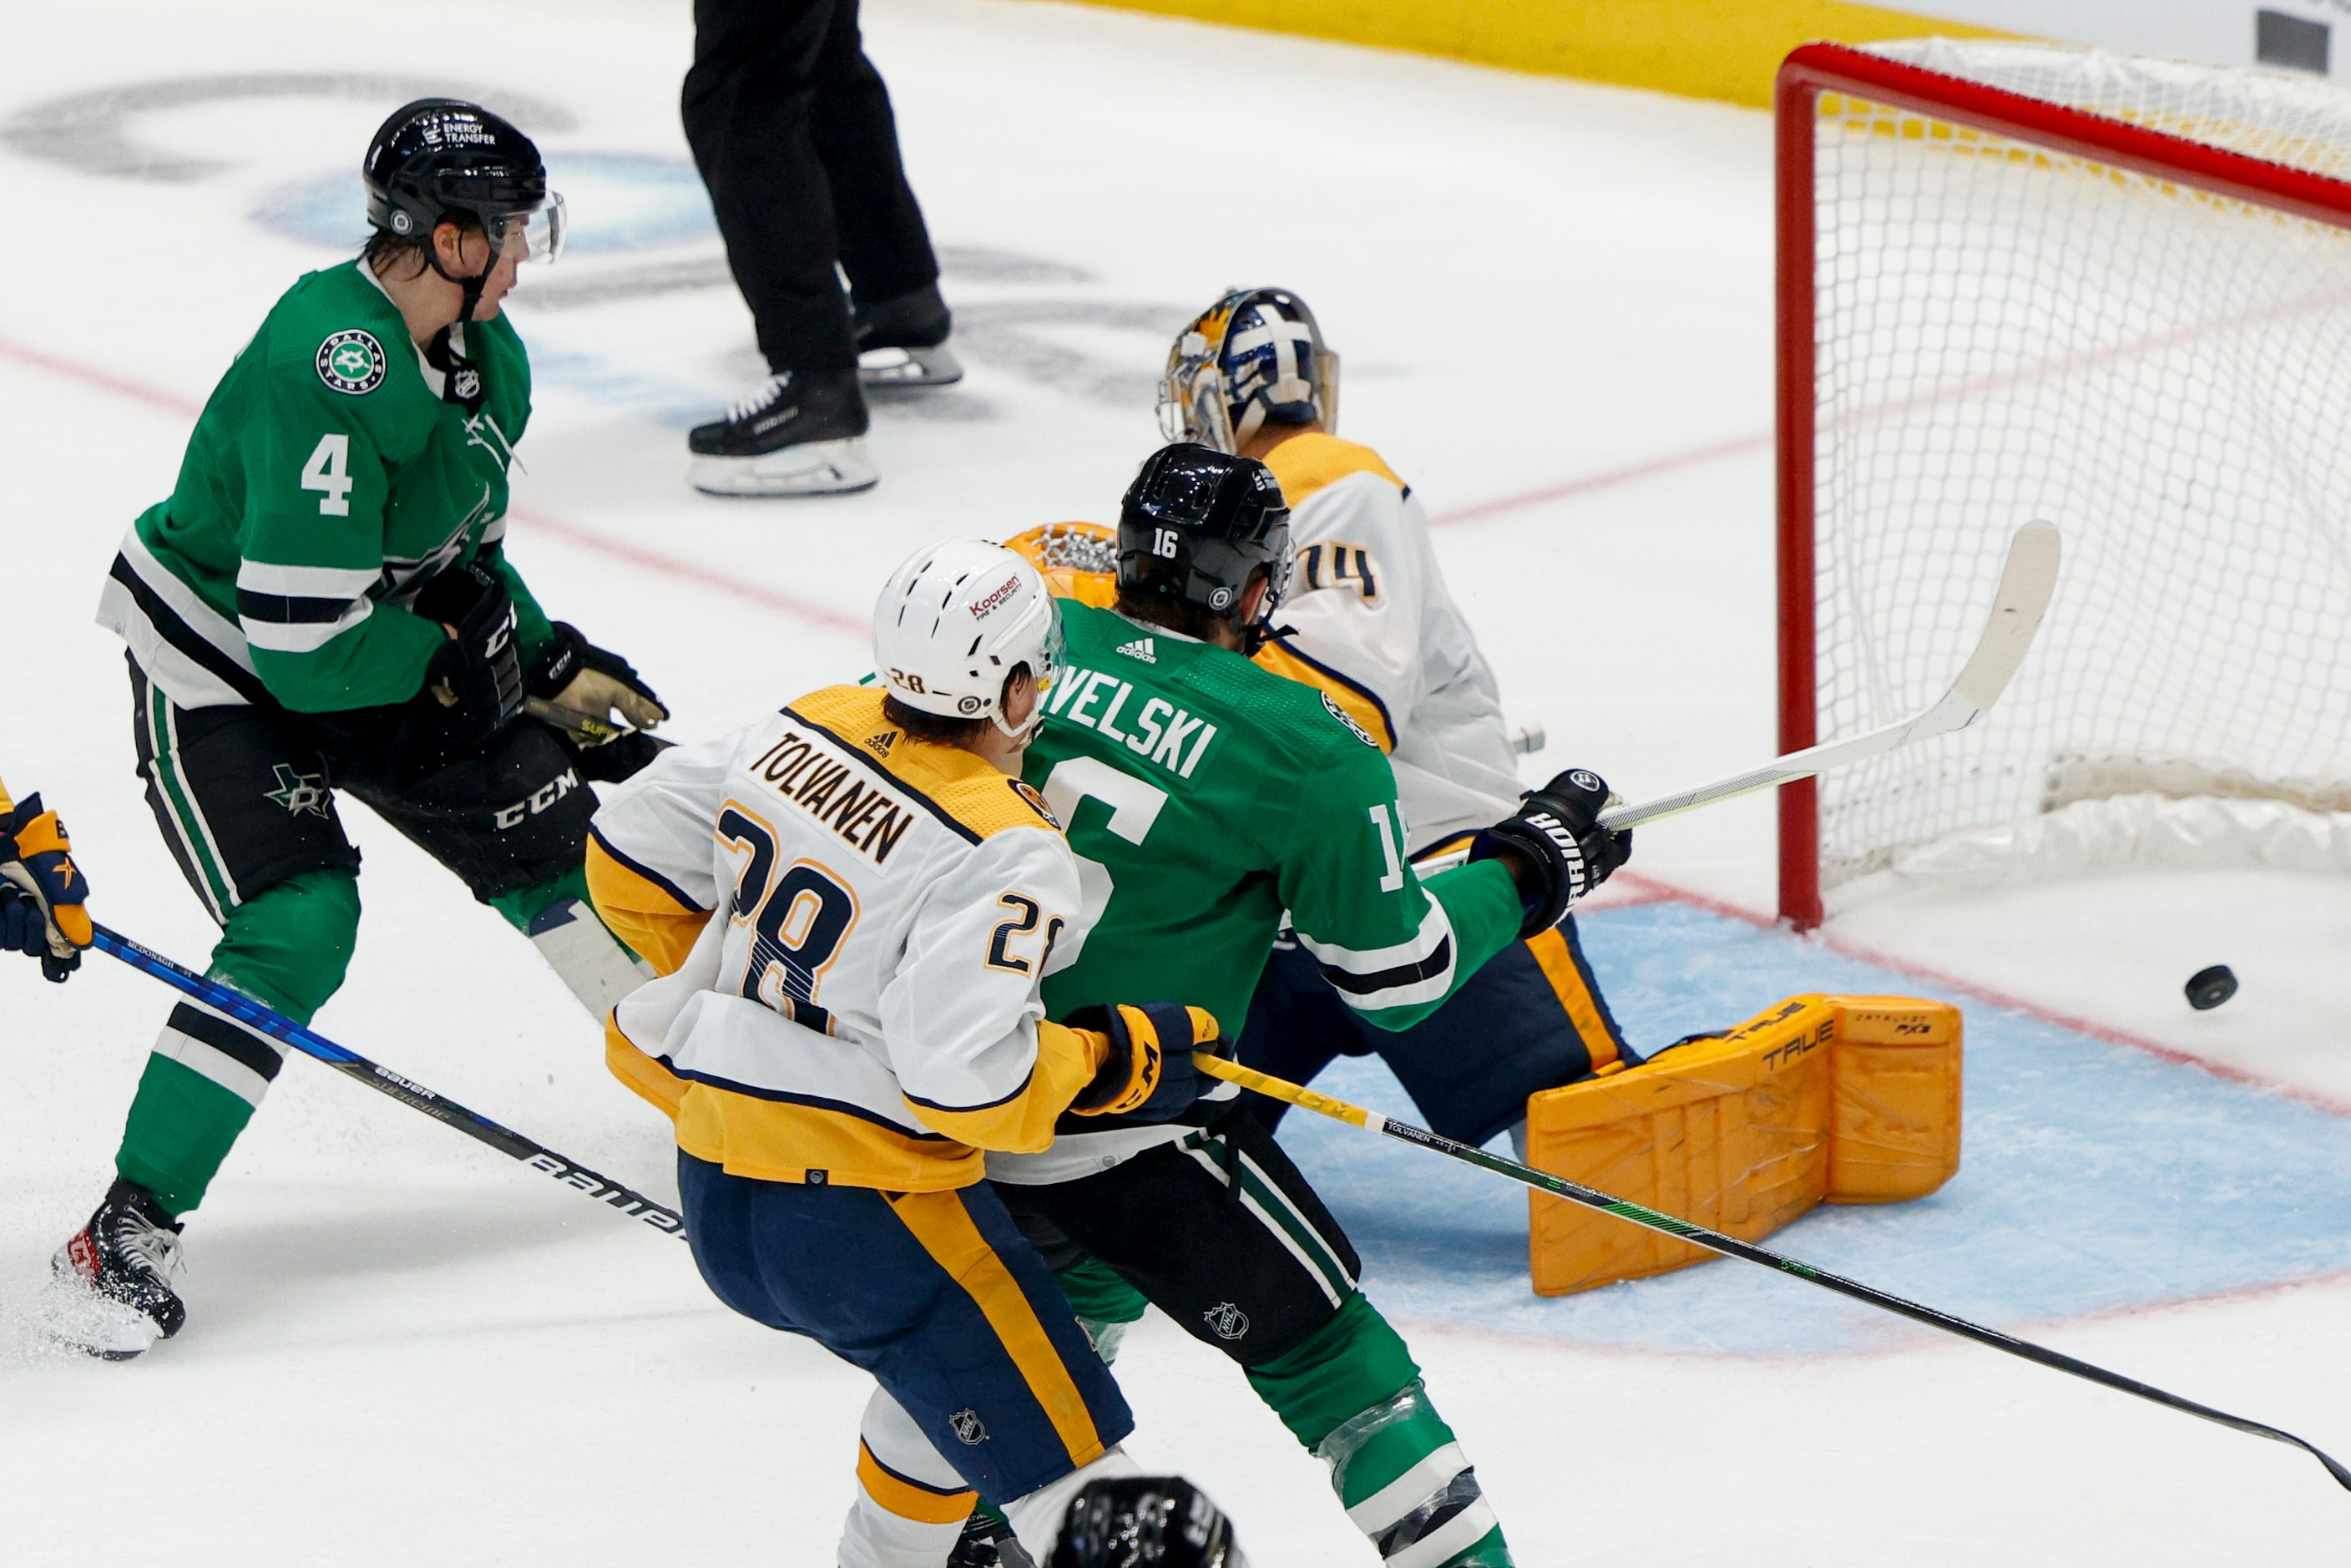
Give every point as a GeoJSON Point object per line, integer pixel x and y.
{"type": "Point", "coordinates": [798, 433]}
{"type": "Point", "coordinates": [114, 1276]}
{"type": "Point", "coordinates": [902, 343]}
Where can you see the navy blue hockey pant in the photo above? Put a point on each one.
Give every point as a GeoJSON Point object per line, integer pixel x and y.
{"type": "Point", "coordinates": [936, 1295]}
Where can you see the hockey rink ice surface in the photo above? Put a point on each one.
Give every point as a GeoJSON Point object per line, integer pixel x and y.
{"type": "Point", "coordinates": [1553, 301]}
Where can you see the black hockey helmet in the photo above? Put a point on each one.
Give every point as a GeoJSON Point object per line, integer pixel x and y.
{"type": "Point", "coordinates": [441, 158]}
{"type": "Point", "coordinates": [1131, 1521]}
{"type": "Point", "coordinates": [1196, 525]}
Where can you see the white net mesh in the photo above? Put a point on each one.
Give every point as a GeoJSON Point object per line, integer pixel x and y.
{"type": "Point", "coordinates": [2004, 333]}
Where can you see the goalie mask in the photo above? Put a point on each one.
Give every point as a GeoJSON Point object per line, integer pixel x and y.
{"type": "Point", "coordinates": [1195, 526]}
{"type": "Point", "coordinates": [1254, 357]}
{"type": "Point", "coordinates": [953, 622]}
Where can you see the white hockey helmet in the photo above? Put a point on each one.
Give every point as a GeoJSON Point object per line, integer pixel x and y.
{"type": "Point", "coordinates": [953, 623]}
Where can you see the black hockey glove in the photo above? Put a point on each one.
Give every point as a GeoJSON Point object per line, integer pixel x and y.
{"type": "Point", "coordinates": [1149, 1075]}
{"type": "Point", "coordinates": [41, 890]}
{"type": "Point", "coordinates": [1557, 828]}
{"type": "Point", "coordinates": [594, 684]}
{"type": "Point", "coordinates": [473, 686]}
{"type": "Point", "coordinates": [611, 761]}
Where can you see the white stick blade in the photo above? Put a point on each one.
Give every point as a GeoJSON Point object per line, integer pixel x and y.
{"type": "Point", "coordinates": [2027, 579]}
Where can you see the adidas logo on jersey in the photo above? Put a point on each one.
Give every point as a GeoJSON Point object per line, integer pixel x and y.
{"type": "Point", "coordinates": [1140, 648]}
{"type": "Point", "coordinates": [880, 744]}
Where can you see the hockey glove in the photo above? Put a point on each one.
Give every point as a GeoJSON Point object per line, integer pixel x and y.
{"type": "Point", "coordinates": [1557, 829]}
{"type": "Point", "coordinates": [573, 673]}
{"type": "Point", "coordinates": [472, 686]}
{"type": "Point", "coordinates": [41, 890]}
{"type": "Point", "coordinates": [1148, 1075]}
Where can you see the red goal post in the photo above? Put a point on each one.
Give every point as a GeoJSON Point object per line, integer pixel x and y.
{"type": "Point", "coordinates": [2020, 128]}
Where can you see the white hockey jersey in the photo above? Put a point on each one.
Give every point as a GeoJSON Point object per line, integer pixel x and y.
{"type": "Point", "coordinates": [1369, 620]}
{"type": "Point", "coordinates": [863, 1009]}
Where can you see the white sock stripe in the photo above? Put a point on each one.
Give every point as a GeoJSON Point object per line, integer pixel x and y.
{"type": "Point", "coordinates": [1448, 1540]}
{"type": "Point", "coordinates": [195, 1004]}
{"type": "Point", "coordinates": [1378, 1512]}
{"type": "Point", "coordinates": [873, 1536]}
{"type": "Point", "coordinates": [205, 1062]}
{"type": "Point", "coordinates": [1249, 1202]}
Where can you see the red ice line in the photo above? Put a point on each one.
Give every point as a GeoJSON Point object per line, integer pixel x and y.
{"type": "Point", "coordinates": [573, 534]}
{"type": "Point", "coordinates": [1650, 890]}
{"type": "Point", "coordinates": [1645, 889]}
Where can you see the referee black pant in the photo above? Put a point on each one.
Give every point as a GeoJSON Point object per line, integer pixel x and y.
{"type": "Point", "coordinates": [791, 128]}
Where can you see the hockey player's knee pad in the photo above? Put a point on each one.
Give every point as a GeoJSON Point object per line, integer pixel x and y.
{"type": "Point", "coordinates": [1352, 1363]}
{"type": "Point", "coordinates": [289, 945]}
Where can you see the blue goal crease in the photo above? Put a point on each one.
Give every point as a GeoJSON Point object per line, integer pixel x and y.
{"type": "Point", "coordinates": [2094, 1179]}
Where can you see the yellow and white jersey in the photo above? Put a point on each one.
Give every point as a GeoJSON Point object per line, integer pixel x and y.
{"type": "Point", "coordinates": [869, 918]}
{"type": "Point", "coordinates": [1369, 620]}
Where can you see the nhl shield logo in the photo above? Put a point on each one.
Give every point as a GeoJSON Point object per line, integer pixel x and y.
{"type": "Point", "coordinates": [969, 1430]}
{"type": "Point", "coordinates": [352, 363]}
{"type": "Point", "coordinates": [1226, 1321]}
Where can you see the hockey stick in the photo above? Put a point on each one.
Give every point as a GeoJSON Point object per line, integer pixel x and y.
{"type": "Point", "coordinates": [1731, 1246]}
{"type": "Point", "coordinates": [2027, 579]}
{"type": "Point", "coordinates": [578, 722]}
{"type": "Point", "coordinates": [413, 1095]}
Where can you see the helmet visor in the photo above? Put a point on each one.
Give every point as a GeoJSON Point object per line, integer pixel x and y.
{"type": "Point", "coordinates": [536, 234]}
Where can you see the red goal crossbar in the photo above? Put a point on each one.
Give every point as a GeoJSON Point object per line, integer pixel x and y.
{"type": "Point", "coordinates": [1815, 69]}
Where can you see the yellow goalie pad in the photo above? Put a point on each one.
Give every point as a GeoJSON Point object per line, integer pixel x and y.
{"type": "Point", "coordinates": [1820, 1099]}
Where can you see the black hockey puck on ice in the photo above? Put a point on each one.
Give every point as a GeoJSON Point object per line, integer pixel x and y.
{"type": "Point", "coordinates": [2208, 988]}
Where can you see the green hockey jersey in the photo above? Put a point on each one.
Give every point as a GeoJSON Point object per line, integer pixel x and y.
{"type": "Point", "coordinates": [327, 482]}
{"type": "Point", "coordinates": [1205, 796]}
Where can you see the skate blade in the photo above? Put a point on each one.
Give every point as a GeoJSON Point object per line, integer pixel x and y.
{"type": "Point", "coordinates": [812, 468]}
{"type": "Point", "coordinates": [908, 369]}
{"type": "Point", "coordinates": [76, 1318]}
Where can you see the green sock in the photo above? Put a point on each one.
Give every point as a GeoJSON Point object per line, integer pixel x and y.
{"type": "Point", "coordinates": [287, 947]}
{"type": "Point", "coordinates": [1353, 1395]}
{"type": "Point", "coordinates": [1103, 1301]}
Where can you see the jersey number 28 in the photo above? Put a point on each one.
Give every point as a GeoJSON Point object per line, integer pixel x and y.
{"type": "Point", "coordinates": [798, 921]}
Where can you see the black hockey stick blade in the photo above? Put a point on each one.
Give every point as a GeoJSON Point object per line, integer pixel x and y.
{"type": "Point", "coordinates": [1731, 1246]}
{"type": "Point", "coordinates": [382, 1080]}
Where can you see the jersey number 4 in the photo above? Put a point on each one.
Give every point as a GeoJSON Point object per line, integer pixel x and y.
{"type": "Point", "coordinates": [797, 921]}
{"type": "Point", "coordinates": [330, 470]}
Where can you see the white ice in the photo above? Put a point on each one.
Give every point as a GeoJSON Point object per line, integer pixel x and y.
{"type": "Point", "coordinates": [405, 1348]}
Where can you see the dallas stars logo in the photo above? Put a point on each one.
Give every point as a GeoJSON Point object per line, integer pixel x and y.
{"type": "Point", "coordinates": [352, 363]}
{"type": "Point", "coordinates": [300, 792]}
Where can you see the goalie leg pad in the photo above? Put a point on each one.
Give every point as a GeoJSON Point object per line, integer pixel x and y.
{"type": "Point", "coordinates": [1841, 1099]}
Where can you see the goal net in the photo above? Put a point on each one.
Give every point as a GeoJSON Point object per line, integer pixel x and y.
{"type": "Point", "coordinates": [2023, 282]}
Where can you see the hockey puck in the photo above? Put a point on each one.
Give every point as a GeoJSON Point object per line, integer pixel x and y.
{"type": "Point", "coordinates": [2208, 988]}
